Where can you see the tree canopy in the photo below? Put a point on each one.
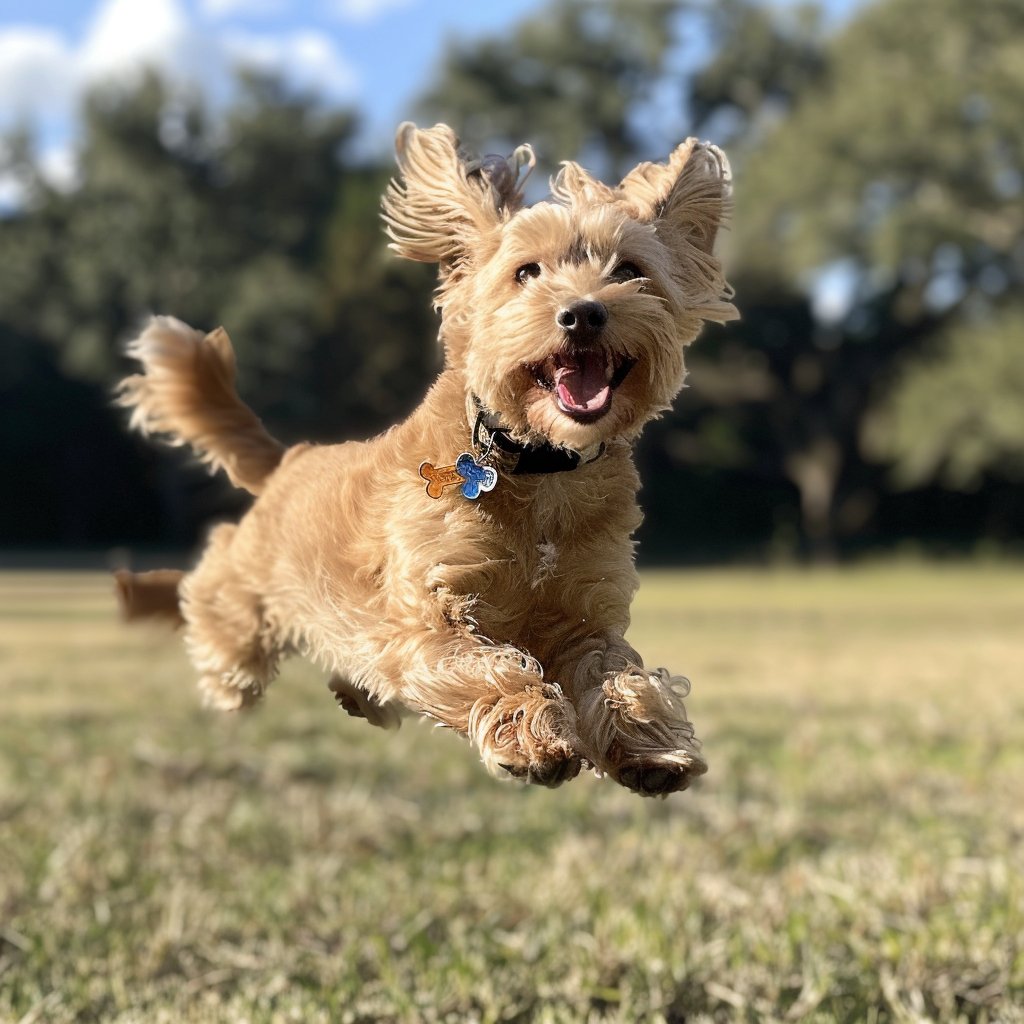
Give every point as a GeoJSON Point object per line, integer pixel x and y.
{"type": "Point", "coordinates": [877, 251]}
{"type": "Point", "coordinates": [571, 79]}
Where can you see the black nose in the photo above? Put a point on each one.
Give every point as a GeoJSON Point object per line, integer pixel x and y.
{"type": "Point", "coordinates": [582, 319]}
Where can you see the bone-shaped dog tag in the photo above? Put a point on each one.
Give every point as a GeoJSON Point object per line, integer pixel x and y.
{"type": "Point", "coordinates": [440, 477]}
{"type": "Point", "coordinates": [472, 478]}
{"type": "Point", "coordinates": [478, 478]}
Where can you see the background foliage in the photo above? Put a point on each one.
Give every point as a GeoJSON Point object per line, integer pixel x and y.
{"type": "Point", "coordinates": [871, 395]}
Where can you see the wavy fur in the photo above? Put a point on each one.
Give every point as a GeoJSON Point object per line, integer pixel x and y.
{"type": "Point", "coordinates": [502, 618]}
{"type": "Point", "coordinates": [186, 393]}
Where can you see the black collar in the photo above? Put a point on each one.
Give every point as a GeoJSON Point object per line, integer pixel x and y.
{"type": "Point", "coordinates": [493, 442]}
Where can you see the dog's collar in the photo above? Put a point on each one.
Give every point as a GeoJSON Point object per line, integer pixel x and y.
{"type": "Point", "coordinates": [494, 443]}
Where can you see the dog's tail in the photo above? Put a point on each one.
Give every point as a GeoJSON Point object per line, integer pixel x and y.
{"type": "Point", "coordinates": [187, 393]}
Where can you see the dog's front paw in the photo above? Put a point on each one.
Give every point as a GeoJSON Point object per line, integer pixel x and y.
{"type": "Point", "coordinates": [635, 730]}
{"type": "Point", "coordinates": [550, 773]}
{"type": "Point", "coordinates": [531, 735]}
{"type": "Point", "coordinates": [658, 775]}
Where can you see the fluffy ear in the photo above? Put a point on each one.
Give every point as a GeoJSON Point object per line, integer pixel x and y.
{"type": "Point", "coordinates": [444, 202]}
{"type": "Point", "coordinates": [574, 186]}
{"type": "Point", "coordinates": [687, 199]}
{"type": "Point", "coordinates": [701, 197]}
{"type": "Point", "coordinates": [689, 196]}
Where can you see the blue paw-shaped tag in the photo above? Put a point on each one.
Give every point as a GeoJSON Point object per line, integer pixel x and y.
{"type": "Point", "coordinates": [478, 478]}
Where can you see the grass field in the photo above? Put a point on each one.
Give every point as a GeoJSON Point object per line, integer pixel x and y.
{"type": "Point", "coordinates": [856, 852]}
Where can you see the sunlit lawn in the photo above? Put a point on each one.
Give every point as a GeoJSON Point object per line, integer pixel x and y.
{"type": "Point", "coordinates": [855, 854]}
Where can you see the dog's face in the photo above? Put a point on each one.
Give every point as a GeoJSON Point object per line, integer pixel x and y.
{"type": "Point", "coordinates": [568, 318]}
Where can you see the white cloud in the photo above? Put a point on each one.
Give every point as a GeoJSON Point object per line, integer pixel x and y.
{"type": "Point", "coordinates": [309, 59]}
{"type": "Point", "coordinates": [127, 36]}
{"type": "Point", "coordinates": [60, 167]}
{"type": "Point", "coordinates": [833, 290]}
{"type": "Point", "coordinates": [246, 8]}
{"type": "Point", "coordinates": [36, 73]}
{"type": "Point", "coordinates": [42, 75]}
{"type": "Point", "coordinates": [11, 193]}
{"type": "Point", "coordinates": [314, 57]}
{"type": "Point", "coordinates": [366, 10]}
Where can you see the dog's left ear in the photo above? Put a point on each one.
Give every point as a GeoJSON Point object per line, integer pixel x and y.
{"type": "Point", "coordinates": [688, 197]}
{"type": "Point", "coordinates": [446, 204]}
{"type": "Point", "coordinates": [687, 200]}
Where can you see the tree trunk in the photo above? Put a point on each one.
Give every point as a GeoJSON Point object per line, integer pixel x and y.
{"type": "Point", "coordinates": [815, 471]}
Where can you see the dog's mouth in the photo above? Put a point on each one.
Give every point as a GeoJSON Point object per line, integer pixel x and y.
{"type": "Point", "coordinates": [583, 382]}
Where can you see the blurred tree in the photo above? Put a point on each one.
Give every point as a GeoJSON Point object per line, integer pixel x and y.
{"type": "Point", "coordinates": [913, 171]}
{"type": "Point", "coordinates": [569, 80]}
{"type": "Point", "coordinates": [956, 413]}
{"type": "Point", "coordinates": [763, 59]}
{"type": "Point", "coordinates": [172, 215]}
{"type": "Point", "coordinates": [893, 201]}
{"type": "Point", "coordinates": [242, 219]}
{"type": "Point", "coordinates": [879, 181]}
{"type": "Point", "coordinates": [382, 306]}
{"type": "Point", "coordinates": [878, 255]}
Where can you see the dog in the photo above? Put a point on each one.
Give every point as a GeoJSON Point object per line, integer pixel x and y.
{"type": "Point", "coordinates": [475, 563]}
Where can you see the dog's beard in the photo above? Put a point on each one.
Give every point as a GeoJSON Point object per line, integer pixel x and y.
{"type": "Point", "coordinates": [578, 397]}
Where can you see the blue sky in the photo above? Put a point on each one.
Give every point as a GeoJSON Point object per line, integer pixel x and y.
{"type": "Point", "coordinates": [374, 54]}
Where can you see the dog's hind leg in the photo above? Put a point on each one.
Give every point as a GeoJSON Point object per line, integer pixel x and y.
{"type": "Point", "coordinates": [229, 638]}
{"type": "Point", "coordinates": [360, 704]}
{"type": "Point", "coordinates": [149, 595]}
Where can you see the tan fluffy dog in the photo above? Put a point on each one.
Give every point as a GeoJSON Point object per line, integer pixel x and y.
{"type": "Point", "coordinates": [474, 564]}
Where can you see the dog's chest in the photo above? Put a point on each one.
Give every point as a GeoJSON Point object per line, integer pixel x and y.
{"type": "Point", "coordinates": [526, 556]}
{"type": "Point", "coordinates": [520, 590]}
{"type": "Point", "coordinates": [546, 566]}
{"type": "Point", "coordinates": [536, 548]}
{"type": "Point", "coordinates": [535, 567]}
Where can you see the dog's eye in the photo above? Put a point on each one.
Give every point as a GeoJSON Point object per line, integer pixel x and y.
{"type": "Point", "coordinates": [627, 272]}
{"type": "Point", "coordinates": [526, 271]}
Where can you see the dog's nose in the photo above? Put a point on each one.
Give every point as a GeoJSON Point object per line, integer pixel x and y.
{"type": "Point", "coordinates": [582, 319]}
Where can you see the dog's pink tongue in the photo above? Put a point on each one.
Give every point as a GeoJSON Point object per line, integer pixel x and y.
{"type": "Point", "coordinates": [582, 386]}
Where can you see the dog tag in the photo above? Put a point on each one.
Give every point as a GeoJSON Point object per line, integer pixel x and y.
{"type": "Point", "coordinates": [471, 478]}
{"type": "Point", "coordinates": [478, 478]}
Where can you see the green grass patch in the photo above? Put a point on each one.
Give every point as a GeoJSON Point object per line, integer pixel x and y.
{"type": "Point", "coordinates": [856, 852]}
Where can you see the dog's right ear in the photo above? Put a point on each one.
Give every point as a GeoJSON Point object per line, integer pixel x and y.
{"type": "Point", "coordinates": [690, 194]}
{"type": "Point", "coordinates": [444, 204]}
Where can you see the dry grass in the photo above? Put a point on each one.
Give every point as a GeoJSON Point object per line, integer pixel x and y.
{"type": "Point", "coordinates": [856, 854]}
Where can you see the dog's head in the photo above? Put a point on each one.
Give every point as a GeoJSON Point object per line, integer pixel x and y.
{"type": "Point", "coordinates": [568, 318]}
